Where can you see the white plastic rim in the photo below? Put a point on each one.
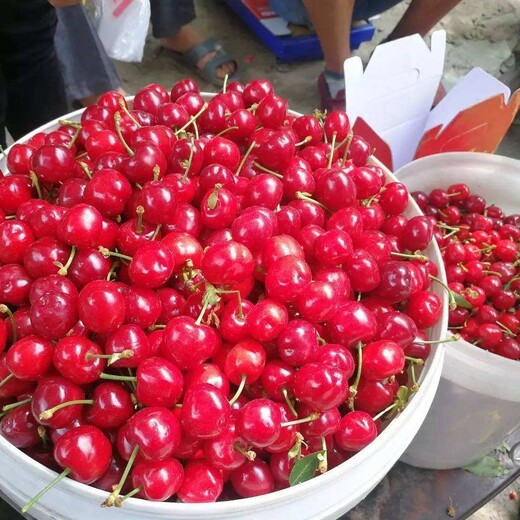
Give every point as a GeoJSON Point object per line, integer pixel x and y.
{"type": "Point", "coordinates": [478, 401]}
{"type": "Point", "coordinates": [325, 497]}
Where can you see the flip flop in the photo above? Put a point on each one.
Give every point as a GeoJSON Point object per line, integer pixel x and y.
{"type": "Point", "coordinates": [328, 102]}
{"type": "Point", "coordinates": [192, 56]}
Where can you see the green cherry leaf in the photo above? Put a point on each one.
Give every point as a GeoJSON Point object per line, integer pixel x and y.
{"type": "Point", "coordinates": [305, 468]}
{"type": "Point", "coordinates": [461, 301]}
{"type": "Point", "coordinates": [487, 466]}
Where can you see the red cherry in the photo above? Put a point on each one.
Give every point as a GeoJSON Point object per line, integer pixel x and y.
{"type": "Point", "coordinates": [30, 358]}
{"type": "Point", "coordinates": [112, 406]}
{"type": "Point", "coordinates": [356, 430]}
{"type": "Point", "coordinates": [253, 478]}
{"type": "Point", "coordinates": [227, 263]}
{"type": "Point", "coordinates": [259, 422]}
{"type": "Point", "coordinates": [201, 483]}
{"type": "Point", "coordinates": [352, 323]}
{"type": "Point", "coordinates": [159, 383]}
{"type": "Point", "coordinates": [20, 428]}
{"type": "Point", "coordinates": [157, 480]}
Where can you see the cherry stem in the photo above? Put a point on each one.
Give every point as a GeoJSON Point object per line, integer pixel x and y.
{"type": "Point", "coordinates": [507, 330]}
{"type": "Point", "coordinates": [85, 168]}
{"type": "Point", "coordinates": [4, 309]}
{"type": "Point", "coordinates": [190, 159]}
{"type": "Point", "coordinates": [226, 130]}
{"type": "Point", "coordinates": [332, 150]}
{"type": "Point", "coordinates": [6, 380]}
{"type": "Point", "coordinates": [415, 256]}
{"type": "Point", "coordinates": [110, 501]}
{"type": "Point", "coordinates": [139, 224]}
{"type": "Point", "coordinates": [323, 464]}
{"type": "Point", "coordinates": [112, 358]}
{"type": "Point", "coordinates": [454, 337]}
{"type": "Point", "coordinates": [496, 273]}
{"type": "Point", "coordinates": [114, 377]}
{"type": "Point", "coordinates": [305, 141]}
{"type": "Point", "coordinates": [312, 417]}
{"type": "Point", "coordinates": [67, 122]}
{"type": "Point", "coordinates": [64, 269]}
{"type": "Point", "coordinates": [157, 231]}
{"type": "Point", "coordinates": [244, 158]}
{"type": "Point", "coordinates": [349, 138]}
{"type": "Point", "coordinates": [36, 184]}
{"type": "Point", "coordinates": [112, 271]}
{"type": "Point", "coordinates": [47, 414]}
{"type": "Point", "coordinates": [385, 411]}
{"type": "Point", "coordinates": [70, 144]}
{"type": "Point", "coordinates": [224, 86]}
{"type": "Point", "coordinates": [47, 488]}
{"type": "Point", "coordinates": [289, 402]}
{"type": "Point", "coordinates": [508, 284]}
{"type": "Point", "coordinates": [239, 298]}
{"type": "Point", "coordinates": [120, 500]}
{"type": "Point", "coordinates": [124, 108]}
{"type": "Point", "coordinates": [106, 253]}
{"type": "Point", "coordinates": [248, 454]}
{"type": "Point", "coordinates": [415, 361]}
{"type": "Point", "coordinates": [42, 433]}
{"type": "Point", "coordinates": [11, 406]}
{"type": "Point", "coordinates": [451, 297]}
{"type": "Point", "coordinates": [192, 121]}
{"type": "Point", "coordinates": [267, 170]}
{"type": "Point", "coordinates": [353, 388]}
{"type": "Point", "coordinates": [151, 328]}
{"type": "Point", "coordinates": [305, 196]}
{"type": "Point", "coordinates": [415, 386]}
{"type": "Point", "coordinates": [10, 217]}
{"type": "Point", "coordinates": [453, 194]}
{"type": "Point", "coordinates": [239, 391]}
{"type": "Point", "coordinates": [117, 121]}
{"type": "Point", "coordinates": [202, 312]}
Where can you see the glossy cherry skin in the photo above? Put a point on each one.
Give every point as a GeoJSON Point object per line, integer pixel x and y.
{"type": "Point", "coordinates": [326, 424]}
{"type": "Point", "coordinates": [375, 396]}
{"type": "Point", "coordinates": [101, 307]}
{"type": "Point", "coordinates": [321, 387]}
{"type": "Point", "coordinates": [52, 391]}
{"type": "Point", "coordinates": [20, 428]}
{"type": "Point", "coordinates": [259, 422]}
{"type": "Point", "coordinates": [15, 239]}
{"type": "Point", "coordinates": [253, 478]}
{"type": "Point", "coordinates": [71, 359]}
{"type": "Point", "coordinates": [424, 308]}
{"type": "Point", "coordinates": [40, 257]}
{"type": "Point", "coordinates": [152, 265]}
{"type": "Point", "coordinates": [187, 344]}
{"type": "Point", "coordinates": [287, 278]}
{"type": "Point", "coordinates": [184, 248]}
{"type": "Point", "coordinates": [297, 343]}
{"type": "Point", "coordinates": [158, 480]}
{"type": "Point", "coordinates": [205, 412]}
{"type": "Point", "coordinates": [156, 431]}
{"type": "Point", "coordinates": [397, 327]}
{"type": "Point", "coordinates": [337, 356]}
{"type": "Point", "coordinates": [80, 226]}
{"type": "Point", "coordinates": [279, 246]}
{"type": "Point", "coordinates": [128, 337]}
{"type": "Point", "coordinates": [351, 323]}
{"type": "Point", "coordinates": [395, 284]}
{"type": "Point", "coordinates": [382, 359]}
{"type": "Point", "coordinates": [356, 430]}
{"type": "Point", "coordinates": [112, 407]}
{"type": "Point", "coordinates": [108, 191]}
{"type": "Point", "coordinates": [53, 315]}
{"type": "Point", "coordinates": [202, 483]}
{"type": "Point", "coordinates": [159, 383]}
{"type": "Point", "coordinates": [53, 283]}
{"type": "Point", "coordinates": [266, 320]}
{"type": "Point", "coordinates": [53, 163]}
{"type": "Point", "coordinates": [86, 451]}
{"type": "Point", "coordinates": [15, 285]}
{"type": "Point", "coordinates": [30, 358]}
{"type": "Point", "coordinates": [221, 452]}
{"type": "Point", "coordinates": [246, 359]}
{"type": "Point", "coordinates": [227, 263]}
{"type": "Point", "coordinates": [13, 386]}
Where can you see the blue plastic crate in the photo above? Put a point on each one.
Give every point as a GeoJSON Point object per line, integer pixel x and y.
{"type": "Point", "coordinates": [294, 48]}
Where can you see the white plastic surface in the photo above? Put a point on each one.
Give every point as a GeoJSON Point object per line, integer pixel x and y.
{"type": "Point", "coordinates": [478, 400]}
{"type": "Point", "coordinates": [325, 497]}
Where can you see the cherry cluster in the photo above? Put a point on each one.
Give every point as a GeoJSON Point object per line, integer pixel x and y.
{"type": "Point", "coordinates": [479, 244]}
{"type": "Point", "coordinates": [198, 295]}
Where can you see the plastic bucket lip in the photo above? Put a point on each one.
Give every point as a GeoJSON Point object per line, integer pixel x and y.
{"type": "Point", "coordinates": [417, 407]}
{"type": "Point", "coordinates": [487, 373]}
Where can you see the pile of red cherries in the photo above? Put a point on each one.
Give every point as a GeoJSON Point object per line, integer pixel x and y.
{"type": "Point", "coordinates": [479, 244]}
{"type": "Point", "coordinates": [205, 293]}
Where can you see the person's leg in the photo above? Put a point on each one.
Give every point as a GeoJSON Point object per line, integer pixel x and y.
{"type": "Point", "coordinates": [87, 70]}
{"type": "Point", "coordinates": [32, 78]}
{"type": "Point", "coordinates": [421, 16]}
{"type": "Point", "coordinates": [172, 26]}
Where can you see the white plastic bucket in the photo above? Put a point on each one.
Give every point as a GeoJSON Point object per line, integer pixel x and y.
{"type": "Point", "coordinates": [478, 400]}
{"type": "Point", "coordinates": [325, 497]}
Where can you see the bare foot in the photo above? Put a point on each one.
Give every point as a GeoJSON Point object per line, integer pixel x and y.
{"type": "Point", "coordinates": [186, 38]}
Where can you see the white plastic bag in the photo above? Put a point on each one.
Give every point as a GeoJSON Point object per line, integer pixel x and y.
{"type": "Point", "coordinates": [122, 26]}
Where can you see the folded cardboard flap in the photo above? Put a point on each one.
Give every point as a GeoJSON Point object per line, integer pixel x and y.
{"type": "Point", "coordinates": [389, 103]}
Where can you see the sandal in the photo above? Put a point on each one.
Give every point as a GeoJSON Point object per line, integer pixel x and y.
{"type": "Point", "coordinates": [192, 56]}
{"type": "Point", "coordinates": [328, 102]}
